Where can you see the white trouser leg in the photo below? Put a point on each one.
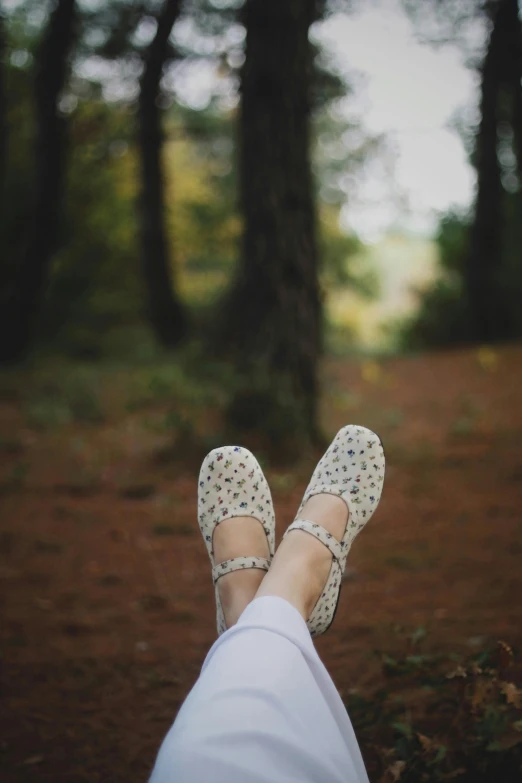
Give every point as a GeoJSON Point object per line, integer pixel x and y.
{"type": "Point", "coordinates": [264, 710]}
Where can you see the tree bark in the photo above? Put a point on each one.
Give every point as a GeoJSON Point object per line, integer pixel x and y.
{"type": "Point", "coordinates": [273, 316]}
{"type": "Point", "coordinates": [3, 125]}
{"type": "Point", "coordinates": [516, 82]}
{"type": "Point", "coordinates": [490, 318]}
{"type": "Point", "coordinates": [164, 309]}
{"type": "Point", "coordinates": [19, 313]}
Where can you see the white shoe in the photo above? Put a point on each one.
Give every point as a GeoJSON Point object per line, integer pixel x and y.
{"type": "Point", "coordinates": [232, 484]}
{"type": "Point", "coordinates": [353, 469]}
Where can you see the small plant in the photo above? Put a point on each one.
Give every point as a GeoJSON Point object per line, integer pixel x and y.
{"type": "Point", "coordinates": [464, 723]}
{"type": "Point", "coordinates": [468, 420]}
{"type": "Point", "coordinates": [163, 529]}
{"type": "Point", "coordinates": [65, 397]}
{"type": "Point", "coordinates": [83, 398]}
{"type": "Point", "coordinates": [46, 413]}
{"type": "Point", "coordinates": [15, 478]}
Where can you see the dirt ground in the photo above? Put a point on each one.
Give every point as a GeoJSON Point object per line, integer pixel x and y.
{"type": "Point", "coordinates": [106, 596]}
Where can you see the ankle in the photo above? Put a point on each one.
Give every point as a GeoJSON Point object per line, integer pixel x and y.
{"type": "Point", "coordinates": [236, 591]}
{"type": "Point", "coordinates": [306, 551]}
{"type": "Point", "coordinates": [329, 511]}
{"type": "Point", "coordinates": [298, 572]}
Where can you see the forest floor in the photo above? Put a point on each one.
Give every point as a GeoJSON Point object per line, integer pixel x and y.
{"type": "Point", "coordinates": [106, 598]}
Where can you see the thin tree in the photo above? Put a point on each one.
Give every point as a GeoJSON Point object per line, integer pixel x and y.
{"type": "Point", "coordinates": [164, 308]}
{"type": "Point", "coordinates": [515, 80]}
{"type": "Point", "coordinates": [490, 318]}
{"type": "Point", "coordinates": [3, 126]}
{"type": "Point", "coordinates": [273, 315]}
{"type": "Point", "coordinates": [20, 311]}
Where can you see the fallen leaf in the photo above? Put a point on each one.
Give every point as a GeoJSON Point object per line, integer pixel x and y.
{"type": "Point", "coordinates": [460, 671]}
{"type": "Point", "coordinates": [454, 774]}
{"type": "Point", "coordinates": [505, 742]}
{"type": "Point", "coordinates": [505, 655]}
{"type": "Point", "coordinates": [394, 771]}
{"type": "Point", "coordinates": [487, 359]}
{"type": "Point", "coordinates": [426, 743]}
{"type": "Point", "coordinates": [32, 760]}
{"type": "Point", "coordinates": [482, 692]}
{"type": "Point", "coordinates": [512, 693]}
{"type": "Point", "coordinates": [44, 604]}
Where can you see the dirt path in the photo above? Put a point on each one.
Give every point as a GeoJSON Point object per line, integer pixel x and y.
{"type": "Point", "coordinates": [106, 605]}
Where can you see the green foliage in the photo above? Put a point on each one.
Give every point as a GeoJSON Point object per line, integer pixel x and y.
{"type": "Point", "coordinates": [14, 479]}
{"type": "Point", "coordinates": [204, 220]}
{"type": "Point", "coordinates": [47, 413]}
{"type": "Point", "coordinates": [443, 317]}
{"type": "Point", "coordinates": [341, 255]}
{"type": "Point", "coordinates": [56, 399]}
{"type": "Point", "coordinates": [95, 281]}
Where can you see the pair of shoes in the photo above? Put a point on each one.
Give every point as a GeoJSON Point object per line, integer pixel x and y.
{"type": "Point", "coordinates": [232, 484]}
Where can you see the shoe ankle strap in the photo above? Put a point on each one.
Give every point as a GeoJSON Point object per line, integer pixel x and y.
{"type": "Point", "coordinates": [235, 563]}
{"type": "Point", "coordinates": [321, 534]}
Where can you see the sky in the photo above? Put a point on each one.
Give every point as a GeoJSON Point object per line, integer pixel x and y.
{"type": "Point", "coordinates": [411, 92]}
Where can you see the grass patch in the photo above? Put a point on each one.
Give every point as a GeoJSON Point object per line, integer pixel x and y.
{"type": "Point", "coordinates": [15, 478]}
{"type": "Point", "coordinates": [55, 397]}
{"type": "Point", "coordinates": [138, 491]}
{"type": "Point", "coordinates": [186, 530]}
{"type": "Point", "coordinates": [163, 529]}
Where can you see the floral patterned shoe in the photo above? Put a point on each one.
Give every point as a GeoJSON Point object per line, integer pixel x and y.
{"type": "Point", "coordinates": [353, 469]}
{"type": "Point", "coordinates": [232, 484]}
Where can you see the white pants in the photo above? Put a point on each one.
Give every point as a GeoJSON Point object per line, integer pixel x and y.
{"type": "Point", "coordinates": [264, 710]}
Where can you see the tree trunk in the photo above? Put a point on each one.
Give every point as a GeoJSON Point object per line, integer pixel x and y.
{"type": "Point", "coordinates": [273, 315]}
{"type": "Point", "coordinates": [19, 313]}
{"type": "Point", "coordinates": [516, 82]}
{"type": "Point", "coordinates": [164, 309]}
{"type": "Point", "coordinates": [3, 126]}
{"type": "Point", "coordinates": [490, 318]}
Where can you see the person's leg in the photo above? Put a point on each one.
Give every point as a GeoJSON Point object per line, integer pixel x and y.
{"type": "Point", "coordinates": [264, 708]}
{"type": "Point", "coordinates": [232, 538]}
{"type": "Point", "coordinates": [301, 564]}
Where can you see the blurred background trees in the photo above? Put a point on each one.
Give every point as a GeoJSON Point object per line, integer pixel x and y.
{"type": "Point", "coordinates": [164, 308]}
{"type": "Point", "coordinates": [477, 297]}
{"type": "Point", "coordinates": [31, 270]}
{"type": "Point", "coordinates": [219, 230]}
{"type": "Point", "coordinates": [493, 312]}
{"type": "Point", "coordinates": [133, 217]}
{"type": "Point", "coordinates": [275, 300]}
{"type": "Point", "coordinates": [3, 128]}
